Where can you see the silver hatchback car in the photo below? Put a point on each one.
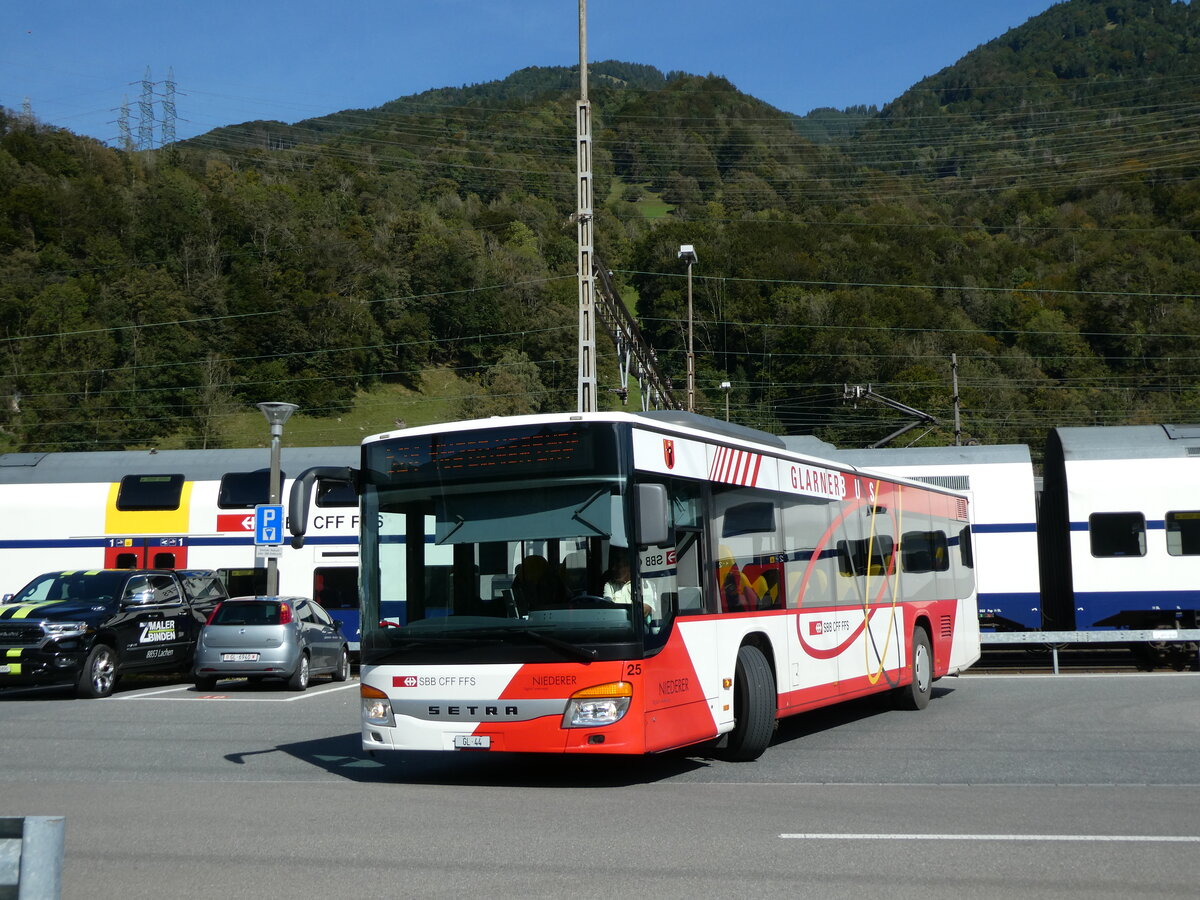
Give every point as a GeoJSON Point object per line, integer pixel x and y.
{"type": "Point", "coordinates": [292, 638]}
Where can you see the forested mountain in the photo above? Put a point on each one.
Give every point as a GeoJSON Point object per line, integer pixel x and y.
{"type": "Point", "coordinates": [1032, 209]}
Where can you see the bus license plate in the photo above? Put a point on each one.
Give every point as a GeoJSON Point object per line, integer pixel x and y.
{"type": "Point", "coordinates": [239, 657]}
{"type": "Point", "coordinates": [472, 741]}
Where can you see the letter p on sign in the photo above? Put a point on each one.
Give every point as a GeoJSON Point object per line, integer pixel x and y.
{"type": "Point", "coordinates": [268, 524]}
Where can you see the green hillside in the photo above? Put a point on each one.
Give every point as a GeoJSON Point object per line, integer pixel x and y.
{"type": "Point", "coordinates": [1031, 209]}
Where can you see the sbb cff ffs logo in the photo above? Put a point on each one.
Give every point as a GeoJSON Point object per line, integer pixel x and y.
{"type": "Point", "coordinates": [408, 681]}
{"type": "Point", "coordinates": [818, 627]}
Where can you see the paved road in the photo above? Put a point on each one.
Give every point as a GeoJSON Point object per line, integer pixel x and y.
{"type": "Point", "coordinates": [1056, 786]}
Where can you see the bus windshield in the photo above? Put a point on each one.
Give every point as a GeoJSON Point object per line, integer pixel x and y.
{"type": "Point", "coordinates": [509, 546]}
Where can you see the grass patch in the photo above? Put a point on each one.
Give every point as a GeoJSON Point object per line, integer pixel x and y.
{"type": "Point", "coordinates": [373, 412]}
{"type": "Point", "coordinates": [653, 207]}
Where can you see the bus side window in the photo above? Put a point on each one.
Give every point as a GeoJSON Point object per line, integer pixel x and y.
{"type": "Point", "coordinates": [687, 578]}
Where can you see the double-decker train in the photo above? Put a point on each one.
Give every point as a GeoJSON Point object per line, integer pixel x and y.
{"type": "Point", "coordinates": [1107, 539]}
{"type": "Point", "coordinates": [175, 509]}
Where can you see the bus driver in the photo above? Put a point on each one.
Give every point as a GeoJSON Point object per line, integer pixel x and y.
{"type": "Point", "coordinates": [618, 587]}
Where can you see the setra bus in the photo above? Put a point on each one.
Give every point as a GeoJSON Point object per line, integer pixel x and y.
{"type": "Point", "coordinates": [762, 583]}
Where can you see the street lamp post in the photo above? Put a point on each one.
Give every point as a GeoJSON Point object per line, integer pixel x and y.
{"type": "Point", "coordinates": [688, 254]}
{"type": "Point", "coordinates": [277, 414]}
{"type": "Point", "coordinates": [725, 386]}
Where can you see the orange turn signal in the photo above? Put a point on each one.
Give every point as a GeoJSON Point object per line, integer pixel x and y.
{"type": "Point", "coordinates": [611, 689]}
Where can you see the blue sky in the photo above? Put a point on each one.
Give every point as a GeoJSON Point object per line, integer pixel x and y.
{"type": "Point", "coordinates": [77, 60]}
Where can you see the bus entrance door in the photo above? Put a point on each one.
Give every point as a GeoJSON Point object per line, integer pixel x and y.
{"type": "Point", "coordinates": [146, 553]}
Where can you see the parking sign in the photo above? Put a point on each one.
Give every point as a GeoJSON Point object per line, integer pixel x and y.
{"type": "Point", "coordinates": [268, 523]}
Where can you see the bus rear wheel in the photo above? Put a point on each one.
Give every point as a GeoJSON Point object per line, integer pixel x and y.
{"type": "Point", "coordinates": [915, 695]}
{"type": "Point", "coordinates": [753, 707]}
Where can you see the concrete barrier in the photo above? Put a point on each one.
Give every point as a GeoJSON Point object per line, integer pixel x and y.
{"type": "Point", "coordinates": [31, 853]}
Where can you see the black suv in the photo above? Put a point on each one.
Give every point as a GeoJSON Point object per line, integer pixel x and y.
{"type": "Point", "coordinates": [87, 628]}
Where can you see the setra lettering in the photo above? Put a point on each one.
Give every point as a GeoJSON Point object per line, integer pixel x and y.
{"type": "Point", "coordinates": [472, 710]}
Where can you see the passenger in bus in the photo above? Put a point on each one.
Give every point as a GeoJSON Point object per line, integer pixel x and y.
{"type": "Point", "coordinates": [737, 594]}
{"type": "Point", "coordinates": [618, 587]}
{"type": "Point", "coordinates": [766, 586]}
{"type": "Point", "coordinates": [537, 586]}
{"type": "Point", "coordinates": [816, 588]}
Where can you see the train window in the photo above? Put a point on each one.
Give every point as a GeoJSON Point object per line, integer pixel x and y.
{"type": "Point", "coordinates": [246, 490]}
{"type": "Point", "coordinates": [146, 492]}
{"type": "Point", "coordinates": [335, 493]}
{"type": "Point", "coordinates": [244, 582]}
{"type": "Point", "coordinates": [1117, 534]}
{"type": "Point", "coordinates": [336, 587]}
{"type": "Point", "coordinates": [1183, 533]}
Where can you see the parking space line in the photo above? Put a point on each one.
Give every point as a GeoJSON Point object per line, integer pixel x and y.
{"type": "Point", "coordinates": [1043, 838]}
{"type": "Point", "coordinates": [214, 695]}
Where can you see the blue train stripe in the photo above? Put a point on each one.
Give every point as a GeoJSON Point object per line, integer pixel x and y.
{"type": "Point", "coordinates": [1092, 606]}
{"type": "Point", "coordinates": [53, 544]}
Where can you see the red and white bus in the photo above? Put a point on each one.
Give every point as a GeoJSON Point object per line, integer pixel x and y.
{"type": "Point", "coordinates": [765, 582]}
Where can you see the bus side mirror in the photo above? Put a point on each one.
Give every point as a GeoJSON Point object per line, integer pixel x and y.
{"type": "Point", "coordinates": [653, 515]}
{"type": "Point", "coordinates": [301, 496]}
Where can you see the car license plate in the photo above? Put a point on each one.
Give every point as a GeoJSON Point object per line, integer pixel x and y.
{"type": "Point", "coordinates": [472, 741]}
{"type": "Point", "coordinates": [239, 657]}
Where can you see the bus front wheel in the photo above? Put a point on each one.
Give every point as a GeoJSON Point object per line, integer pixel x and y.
{"type": "Point", "coordinates": [753, 706]}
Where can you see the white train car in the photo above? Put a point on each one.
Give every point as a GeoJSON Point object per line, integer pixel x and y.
{"type": "Point", "coordinates": [1000, 482]}
{"type": "Point", "coordinates": [1120, 527]}
{"type": "Point", "coordinates": [175, 509]}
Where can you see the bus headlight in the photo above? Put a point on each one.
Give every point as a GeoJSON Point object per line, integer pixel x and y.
{"type": "Point", "coordinates": [376, 707]}
{"type": "Point", "coordinates": [602, 704]}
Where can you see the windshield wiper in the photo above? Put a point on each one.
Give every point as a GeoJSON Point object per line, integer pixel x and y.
{"type": "Point", "coordinates": [585, 654]}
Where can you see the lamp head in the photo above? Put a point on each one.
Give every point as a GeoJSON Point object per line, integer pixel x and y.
{"type": "Point", "coordinates": [687, 253]}
{"type": "Point", "coordinates": [277, 413]}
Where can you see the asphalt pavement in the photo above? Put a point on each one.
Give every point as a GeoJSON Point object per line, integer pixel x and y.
{"type": "Point", "coordinates": [1031, 786]}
